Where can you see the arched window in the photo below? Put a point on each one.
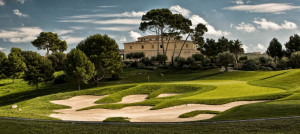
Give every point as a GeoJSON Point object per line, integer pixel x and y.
{"type": "Point", "coordinates": [130, 47]}
{"type": "Point", "coordinates": [142, 46]}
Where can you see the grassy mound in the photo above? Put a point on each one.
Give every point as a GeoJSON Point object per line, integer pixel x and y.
{"type": "Point", "coordinates": [197, 112]}
{"type": "Point", "coordinates": [117, 119]}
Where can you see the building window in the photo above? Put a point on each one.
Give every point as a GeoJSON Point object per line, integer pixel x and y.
{"type": "Point", "coordinates": [152, 46]}
{"type": "Point", "coordinates": [142, 46]}
{"type": "Point", "coordinates": [130, 47]}
{"type": "Point", "coordinates": [156, 39]}
{"type": "Point", "coordinates": [150, 39]}
{"type": "Point", "coordinates": [187, 45]}
{"type": "Point", "coordinates": [160, 46]}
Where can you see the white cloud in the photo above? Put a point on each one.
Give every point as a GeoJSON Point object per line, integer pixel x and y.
{"type": "Point", "coordinates": [134, 35]}
{"type": "Point", "coordinates": [245, 48]}
{"type": "Point", "coordinates": [2, 3]}
{"type": "Point", "coordinates": [115, 28]}
{"type": "Point", "coordinates": [265, 24]}
{"type": "Point", "coordinates": [244, 27]}
{"type": "Point", "coordinates": [1, 48]}
{"type": "Point", "coordinates": [18, 13]}
{"type": "Point", "coordinates": [72, 40]}
{"type": "Point", "coordinates": [108, 6]}
{"type": "Point", "coordinates": [260, 47]}
{"type": "Point", "coordinates": [21, 1]}
{"type": "Point", "coordinates": [196, 19]}
{"type": "Point", "coordinates": [180, 10]}
{"type": "Point", "coordinates": [20, 35]}
{"type": "Point", "coordinates": [123, 39]}
{"type": "Point", "coordinates": [276, 8]}
{"type": "Point", "coordinates": [63, 32]}
{"type": "Point", "coordinates": [125, 14]}
{"type": "Point", "coordinates": [112, 21]}
{"type": "Point", "coordinates": [77, 28]}
{"type": "Point", "coordinates": [238, 2]}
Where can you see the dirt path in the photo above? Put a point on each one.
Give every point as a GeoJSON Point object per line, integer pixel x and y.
{"type": "Point", "coordinates": [135, 113]}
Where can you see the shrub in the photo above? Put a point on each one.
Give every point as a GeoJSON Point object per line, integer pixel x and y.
{"type": "Point", "coordinates": [225, 59]}
{"type": "Point", "coordinates": [282, 63]}
{"type": "Point", "coordinates": [264, 60]}
{"type": "Point", "coordinates": [60, 79]}
{"type": "Point", "coordinates": [180, 61]}
{"type": "Point", "coordinates": [146, 61]}
{"type": "Point", "coordinates": [250, 65]}
{"type": "Point", "coordinates": [161, 58]}
{"type": "Point", "coordinates": [295, 59]}
{"type": "Point", "coordinates": [243, 58]}
{"type": "Point", "coordinates": [198, 57]}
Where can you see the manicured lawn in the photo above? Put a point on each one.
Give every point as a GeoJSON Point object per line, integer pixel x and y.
{"type": "Point", "coordinates": [281, 88]}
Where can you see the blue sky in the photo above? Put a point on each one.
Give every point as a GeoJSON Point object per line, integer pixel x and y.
{"type": "Point", "coordinates": [254, 22]}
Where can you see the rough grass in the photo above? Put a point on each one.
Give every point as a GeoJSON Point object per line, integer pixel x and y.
{"type": "Point", "coordinates": [197, 112]}
{"type": "Point", "coordinates": [117, 119]}
{"type": "Point", "coordinates": [287, 126]}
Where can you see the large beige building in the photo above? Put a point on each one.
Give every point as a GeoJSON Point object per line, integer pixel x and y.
{"type": "Point", "coordinates": [148, 45]}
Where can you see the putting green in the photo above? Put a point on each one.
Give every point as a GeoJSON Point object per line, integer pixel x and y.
{"type": "Point", "coordinates": [233, 89]}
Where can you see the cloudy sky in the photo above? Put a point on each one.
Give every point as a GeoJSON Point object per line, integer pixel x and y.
{"type": "Point", "coordinates": [254, 22]}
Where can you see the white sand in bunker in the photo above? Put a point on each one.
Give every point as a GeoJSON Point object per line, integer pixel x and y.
{"type": "Point", "coordinates": [166, 95]}
{"type": "Point", "coordinates": [133, 98]}
{"type": "Point", "coordinates": [135, 113]}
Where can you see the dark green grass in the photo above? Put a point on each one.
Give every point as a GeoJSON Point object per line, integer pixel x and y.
{"type": "Point", "coordinates": [117, 119]}
{"type": "Point", "coordinates": [197, 112]}
{"type": "Point", "coordinates": [262, 110]}
{"type": "Point", "coordinates": [288, 126]}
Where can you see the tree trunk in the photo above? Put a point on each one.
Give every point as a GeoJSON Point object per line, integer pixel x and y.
{"type": "Point", "coordinates": [167, 46]}
{"type": "Point", "coordinates": [157, 43]}
{"type": "Point", "coordinates": [78, 86]}
{"type": "Point", "coordinates": [226, 68]}
{"type": "Point", "coordinates": [236, 61]}
{"type": "Point", "coordinates": [183, 44]}
{"type": "Point", "coordinates": [173, 53]}
{"type": "Point", "coordinates": [47, 53]}
{"type": "Point", "coordinates": [13, 80]}
{"type": "Point", "coordinates": [162, 39]}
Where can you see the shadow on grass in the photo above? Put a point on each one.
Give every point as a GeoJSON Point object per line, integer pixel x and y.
{"type": "Point", "coordinates": [45, 90]}
{"type": "Point", "coordinates": [208, 75]}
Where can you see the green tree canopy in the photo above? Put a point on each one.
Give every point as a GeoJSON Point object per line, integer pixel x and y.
{"type": "Point", "coordinates": [210, 48]}
{"type": "Point", "coordinates": [135, 55]}
{"type": "Point", "coordinates": [275, 49]}
{"type": "Point", "coordinates": [293, 44]}
{"type": "Point", "coordinates": [38, 70]}
{"type": "Point", "coordinates": [295, 59]}
{"type": "Point", "coordinates": [236, 48]}
{"type": "Point", "coordinates": [79, 68]}
{"type": "Point", "coordinates": [14, 66]}
{"type": "Point", "coordinates": [3, 58]}
{"type": "Point", "coordinates": [225, 59]}
{"type": "Point", "coordinates": [50, 42]}
{"type": "Point", "coordinates": [58, 60]}
{"type": "Point", "coordinates": [103, 51]}
{"type": "Point", "coordinates": [158, 21]}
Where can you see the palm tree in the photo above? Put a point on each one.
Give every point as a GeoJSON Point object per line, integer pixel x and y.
{"type": "Point", "coordinates": [236, 49]}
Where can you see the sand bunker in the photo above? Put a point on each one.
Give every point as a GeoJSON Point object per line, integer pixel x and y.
{"type": "Point", "coordinates": [133, 98]}
{"type": "Point", "coordinates": [135, 113]}
{"type": "Point", "coordinates": [165, 95]}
